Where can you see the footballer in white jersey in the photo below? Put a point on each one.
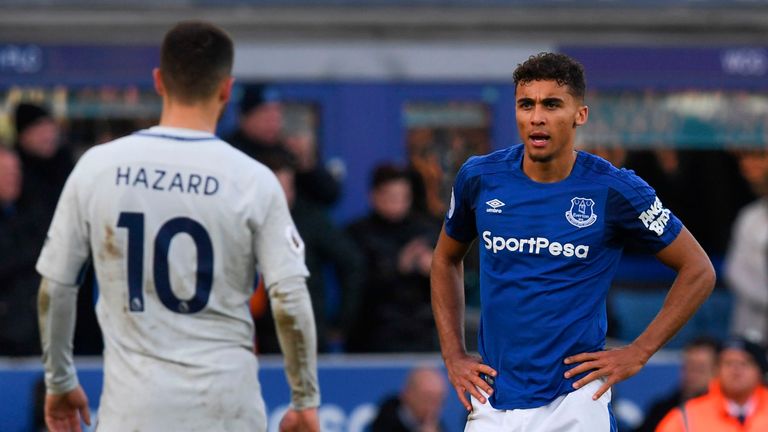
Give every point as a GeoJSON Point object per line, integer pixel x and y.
{"type": "Point", "coordinates": [183, 217]}
{"type": "Point", "coordinates": [177, 223]}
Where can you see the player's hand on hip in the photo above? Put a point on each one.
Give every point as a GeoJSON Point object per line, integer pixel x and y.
{"type": "Point", "coordinates": [464, 372]}
{"type": "Point", "coordinates": [63, 412]}
{"type": "Point", "coordinates": [305, 420]}
{"type": "Point", "coordinates": [615, 365]}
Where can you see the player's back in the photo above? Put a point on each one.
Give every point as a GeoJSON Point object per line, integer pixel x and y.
{"type": "Point", "coordinates": [175, 220]}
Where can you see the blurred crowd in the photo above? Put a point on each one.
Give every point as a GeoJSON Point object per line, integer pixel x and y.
{"type": "Point", "coordinates": [369, 280]}
{"type": "Point", "coordinates": [370, 277]}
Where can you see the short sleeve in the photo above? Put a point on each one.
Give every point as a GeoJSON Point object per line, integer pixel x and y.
{"type": "Point", "coordinates": [460, 219]}
{"type": "Point", "coordinates": [641, 216]}
{"type": "Point", "coordinates": [67, 246]}
{"type": "Point", "coordinates": [278, 245]}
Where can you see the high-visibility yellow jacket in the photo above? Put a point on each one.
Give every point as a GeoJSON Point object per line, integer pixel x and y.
{"type": "Point", "coordinates": [709, 413]}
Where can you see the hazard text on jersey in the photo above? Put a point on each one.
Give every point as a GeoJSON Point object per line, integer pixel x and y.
{"type": "Point", "coordinates": [166, 181]}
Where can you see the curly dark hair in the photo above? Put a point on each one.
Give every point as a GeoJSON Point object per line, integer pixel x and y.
{"type": "Point", "coordinates": [556, 67]}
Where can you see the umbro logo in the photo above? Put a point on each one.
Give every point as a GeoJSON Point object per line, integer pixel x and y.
{"type": "Point", "coordinates": [494, 205]}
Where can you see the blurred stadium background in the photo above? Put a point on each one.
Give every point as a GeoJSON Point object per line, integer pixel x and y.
{"type": "Point", "coordinates": [375, 80]}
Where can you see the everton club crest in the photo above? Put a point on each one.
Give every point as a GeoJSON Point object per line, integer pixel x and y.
{"type": "Point", "coordinates": [582, 213]}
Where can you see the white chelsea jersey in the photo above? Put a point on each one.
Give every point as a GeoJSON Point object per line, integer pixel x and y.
{"type": "Point", "coordinates": [176, 222]}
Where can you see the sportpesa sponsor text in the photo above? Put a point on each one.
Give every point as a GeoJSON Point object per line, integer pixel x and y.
{"type": "Point", "coordinates": [533, 245]}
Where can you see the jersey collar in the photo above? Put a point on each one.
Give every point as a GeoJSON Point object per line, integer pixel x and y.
{"type": "Point", "coordinates": [576, 170]}
{"type": "Point", "coordinates": [179, 134]}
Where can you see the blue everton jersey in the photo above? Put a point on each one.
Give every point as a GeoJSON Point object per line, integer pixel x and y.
{"type": "Point", "coordinates": [548, 253]}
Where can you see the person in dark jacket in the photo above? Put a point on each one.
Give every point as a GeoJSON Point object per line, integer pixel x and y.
{"type": "Point", "coordinates": [260, 136]}
{"type": "Point", "coordinates": [45, 160]}
{"type": "Point", "coordinates": [395, 313]}
{"type": "Point", "coordinates": [22, 230]}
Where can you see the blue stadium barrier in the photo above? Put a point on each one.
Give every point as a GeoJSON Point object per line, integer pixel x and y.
{"type": "Point", "coordinates": [352, 386]}
{"type": "Point", "coordinates": [633, 309]}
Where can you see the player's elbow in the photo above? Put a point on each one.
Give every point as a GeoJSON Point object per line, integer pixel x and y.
{"type": "Point", "coordinates": [290, 299]}
{"type": "Point", "coordinates": [710, 278]}
{"type": "Point", "coordinates": [703, 277]}
{"type": "Point", "coordinates": [49, 294]}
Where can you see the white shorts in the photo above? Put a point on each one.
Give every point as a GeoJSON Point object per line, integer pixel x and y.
{"type": "Point", "coordinates": [572, 412]}
{"type": "Point", "coordinates": [143, 394]}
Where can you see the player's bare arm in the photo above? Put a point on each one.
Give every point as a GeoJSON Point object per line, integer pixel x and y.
{"type": "Point", "coordinates": [447, 280]}
{"type": "Point", "coordinates": [295, 325]}
{"type": "Point", "coordinates": [65, 401]}
{"type": "Point", "coordinates": [693, 284]}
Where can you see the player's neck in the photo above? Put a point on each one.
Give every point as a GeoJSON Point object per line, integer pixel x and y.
{"type": "Point", "coordinates": [549, 171]}
{"type": "Point", "coordinates": [201, 117]}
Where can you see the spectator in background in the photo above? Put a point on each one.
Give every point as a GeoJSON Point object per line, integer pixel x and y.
{"type": "Point", "coordinates": [698, 368]}
{"type": "Point", "coordinates": [260, 136]}
{"type": "Point", "coordinates": [702, 186]}
{"type": "Point", "coordinates": [45, 161]}
{"type": "Point", "coordinates": [22, 230]}
{"type": "Point", "coordinates": [737, 400]}
{"type": "Point", "coordinates": [712, 192]}
{"type": "Point", "coordinates": [325, 246]}
{"type": "Point", "coordinates": [314, 183]}
{"type": "Point", "coordinates": [395, 313]}
{"type": "Point", "coordinates": [746, 267]}
{"type": "Point", "coordinates": [417, 408]}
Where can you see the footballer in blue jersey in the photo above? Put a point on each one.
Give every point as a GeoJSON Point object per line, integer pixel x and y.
{"type": "Point", "coordinates": [551, 224]}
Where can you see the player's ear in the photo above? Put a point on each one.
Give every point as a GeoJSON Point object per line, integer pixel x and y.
{"type": "Point", "coordinates": [225, 90]}
{"type": "Point", "coordinates": [157, 77]}
{"type": "Point", "coordinates": [582, 114]}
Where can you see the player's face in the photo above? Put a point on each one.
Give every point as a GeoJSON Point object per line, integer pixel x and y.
{"type": "Point", "coordinates": [547, 117]}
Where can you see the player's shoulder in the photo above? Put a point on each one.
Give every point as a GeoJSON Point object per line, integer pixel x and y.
{"type": "Point", "coordinates": [210, 149]}
{"type": "Point", "coordinates": [622, 180]}
{"type": "Point", "coordinates": [204, 146]}
{"type": "Point", "coordinates": [499, 160]}
{"type": "Point", "coordinates": [245, 165]}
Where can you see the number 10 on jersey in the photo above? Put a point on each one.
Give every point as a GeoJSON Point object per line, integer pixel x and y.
{"type": "Point", "coordinates": [134, 223]}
